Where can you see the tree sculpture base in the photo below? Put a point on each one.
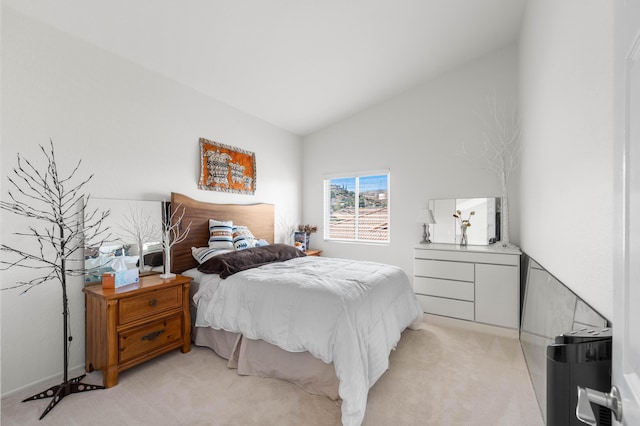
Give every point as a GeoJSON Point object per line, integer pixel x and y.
{"type": "Point", "coordinates": [58, 392]}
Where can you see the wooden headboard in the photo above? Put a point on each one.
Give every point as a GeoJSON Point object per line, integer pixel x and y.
{"type": "Point", "coordinates": [258, 217]}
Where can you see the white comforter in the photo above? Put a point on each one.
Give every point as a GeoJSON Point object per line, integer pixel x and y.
{"type": "Point", "coordinates": [347, 312]}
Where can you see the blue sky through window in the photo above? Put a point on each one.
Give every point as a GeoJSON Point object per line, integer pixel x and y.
{"type": "Point", "coordinates": [367, 183]}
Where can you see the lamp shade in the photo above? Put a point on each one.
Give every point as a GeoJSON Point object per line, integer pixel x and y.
{"type": "Point", "coordinates": [425, 216]}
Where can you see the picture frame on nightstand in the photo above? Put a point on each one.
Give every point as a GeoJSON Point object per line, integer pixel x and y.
{"type": "Point", "coordinates": [300, 240]}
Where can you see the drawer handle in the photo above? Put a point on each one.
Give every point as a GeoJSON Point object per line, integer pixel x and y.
{"type": "Point", "coordinates": [153, 336]}
{"type": "Point", "coordinates": [153, 302]}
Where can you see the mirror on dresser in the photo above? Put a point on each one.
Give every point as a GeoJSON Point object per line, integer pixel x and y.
{"type": "Point", "coordinates": [485, 222]}
{"type": "Point", "coordinates": [134, 228]}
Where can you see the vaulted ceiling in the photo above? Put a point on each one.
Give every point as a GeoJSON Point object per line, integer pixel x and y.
{"type": "Point", "coordinates": [298, 64]}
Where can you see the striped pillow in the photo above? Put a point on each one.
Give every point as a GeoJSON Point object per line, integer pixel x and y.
{"type": "Point", "coordinates": [221, 234]}
{"type": "Point", "coordinates": [243, 238]}
{"type": "Point", "coordinates": [202, 254]}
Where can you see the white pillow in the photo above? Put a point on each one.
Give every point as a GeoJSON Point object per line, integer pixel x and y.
{"type": "Point", "coordinates": [243, 238]}
{"type": "Point", "coordinates": [221, 234]}
{"type": "Point", "coordinates": [241, 243]}
{"type": "Point", "coordinates": [202, 254]}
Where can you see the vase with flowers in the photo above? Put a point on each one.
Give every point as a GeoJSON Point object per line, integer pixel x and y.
{"type": "Point", "coordinates": [464, 224]}
{"type": "Point", "coordinates": [303, 236]}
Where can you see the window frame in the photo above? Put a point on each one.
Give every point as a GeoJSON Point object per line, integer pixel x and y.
{"type": "Point", "coordinates": [327, 205]}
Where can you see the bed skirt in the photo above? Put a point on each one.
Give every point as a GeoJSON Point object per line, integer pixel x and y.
{"type": "Point", "coordinates": [259, 358]}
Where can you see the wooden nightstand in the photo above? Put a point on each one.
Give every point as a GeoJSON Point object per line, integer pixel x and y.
{"type": "Point", "coordinates": [314, 252]}
{"type": "Point", "coordinates": [129, 325]}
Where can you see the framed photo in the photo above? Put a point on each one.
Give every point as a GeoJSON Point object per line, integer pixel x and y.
{"type": "Point", "coordinates": [300, 240]}
{"type": "Point", "coordinates": [226, 168]}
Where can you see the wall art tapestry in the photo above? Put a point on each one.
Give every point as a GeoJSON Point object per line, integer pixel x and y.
{"type": "Point", "coordinates": [226, 168]}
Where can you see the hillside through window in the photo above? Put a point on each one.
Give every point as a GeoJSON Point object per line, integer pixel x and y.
{"type": "Point", "coordinates": [357, 208]}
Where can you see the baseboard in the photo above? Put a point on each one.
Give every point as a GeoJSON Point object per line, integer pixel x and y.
{"type": "Point", "coordinates": [473, 326]}
{"type": "Point", "coordinates": [47, 382]}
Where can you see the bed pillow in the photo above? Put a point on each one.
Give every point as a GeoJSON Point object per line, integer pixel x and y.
{"type": "Point", "coordinates": [243, 238]}
{"type": "Point", "coordinates": [241, 243]}
{"type": "Point", "coordinates": [202, 254]}
{"type": "Point", "coordinates": [230, 263]}
{"type": "Point", "coordinates": [221, 234]}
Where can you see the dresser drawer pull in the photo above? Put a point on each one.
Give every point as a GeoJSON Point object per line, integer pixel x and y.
{"type": "Point", "coordinates": [152, 336]}
{"type": "Point", "coordinates": [153, 302]}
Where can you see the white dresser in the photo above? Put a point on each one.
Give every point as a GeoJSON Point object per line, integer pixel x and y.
{"type": "Point", "coordinates": [474, 283]}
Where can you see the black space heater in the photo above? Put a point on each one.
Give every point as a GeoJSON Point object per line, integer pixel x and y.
{"type": "Point", "coordinates": [578, 358]}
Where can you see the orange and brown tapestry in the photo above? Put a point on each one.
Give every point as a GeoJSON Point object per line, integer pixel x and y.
{"type": "Point", "coordinates": [226, 168]}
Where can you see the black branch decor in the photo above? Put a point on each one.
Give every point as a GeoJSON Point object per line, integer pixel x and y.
{"type": "Point", "coordinates": [55, 204]}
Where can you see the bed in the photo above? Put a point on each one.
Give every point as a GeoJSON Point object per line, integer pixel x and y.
{"type": "Point", "coordinates": [327, 325]}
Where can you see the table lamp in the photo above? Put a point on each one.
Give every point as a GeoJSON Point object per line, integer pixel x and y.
{"type": "Point", "coordinates": [425, 217]}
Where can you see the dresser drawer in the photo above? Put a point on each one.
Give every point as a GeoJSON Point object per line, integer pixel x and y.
{"type": "Point", "coordinates": [446, 307]}
{"type": "Point", "coordinates": [445, 288]}
{"type": "Point", "coordinates": [458, 271]}
{"type": "Point", "coordinates": [469, 256]}
{"type": "Point", "coordinates": [145, 305]}
{"type": "Point", "coordinates": [150, 337]}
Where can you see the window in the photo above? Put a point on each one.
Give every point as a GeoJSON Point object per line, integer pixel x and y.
{"type": "Point", "coordinates": [357, 208]}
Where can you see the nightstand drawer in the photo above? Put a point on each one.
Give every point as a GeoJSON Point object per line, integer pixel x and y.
{"type": "Point", "coordinates": [442, 269]}
{"type": "Point", "coordinates": [143, 306]}
{"type": "Point", "coordinates": [444, 288]}
{"type": "Point", "coordinates": [447, 307]}
{"type": "Point", "coordinates": [150, 337]}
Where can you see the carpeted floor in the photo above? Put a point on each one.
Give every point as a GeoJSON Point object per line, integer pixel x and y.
{"type": "Point", "coordinates": [439, 375]}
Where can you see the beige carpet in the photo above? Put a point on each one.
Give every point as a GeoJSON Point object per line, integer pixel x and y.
{"type": "Point", "coordinates": [439, 375]}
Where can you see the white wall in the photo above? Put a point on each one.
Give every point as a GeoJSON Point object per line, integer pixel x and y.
{"type": "Point", "coordinates": [138, 132]}
{"type": "Point", "coordinates": [418, 136]}
{"type": "Point", "coordinates": [566, 93]}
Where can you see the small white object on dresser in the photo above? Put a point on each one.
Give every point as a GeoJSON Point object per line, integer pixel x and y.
{"type": "Point", "coordinates": [474, 283]}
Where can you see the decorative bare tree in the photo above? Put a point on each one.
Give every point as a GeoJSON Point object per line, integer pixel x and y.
{"type": "Point", "coordinates": [141, 228]}
{"type": "Point", "coordinates": [45, 196]}
{"type": "Point", "coordinates": [172, 234]}
{"type": "Point", "coordinates": [501, 149]}
{"type": "Point", "coordinates": [285, 228]}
